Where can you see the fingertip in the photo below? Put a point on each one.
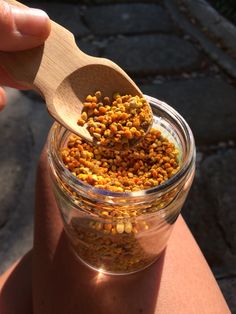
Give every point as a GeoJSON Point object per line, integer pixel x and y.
{"type": "Point", "coordinates": [46, 30]}
{"type": "Point", "coordinates": [22, 28]}
{"type": "Point", "coordinates": [31, 22]}
{"type": "Point", "coordinates": [3, 98]}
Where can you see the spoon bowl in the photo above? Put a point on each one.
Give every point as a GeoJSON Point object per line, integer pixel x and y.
{"type": "Point", "coordinates": [64, 76]}
{"type": "Point", "coordinates": [84, 81]}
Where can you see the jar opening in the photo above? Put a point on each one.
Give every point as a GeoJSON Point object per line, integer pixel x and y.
{"type": "Point", "coordinates": [166, 119]}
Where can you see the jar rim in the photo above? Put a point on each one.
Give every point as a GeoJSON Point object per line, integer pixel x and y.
{"type": "Point", "coordinates": [55, 160]}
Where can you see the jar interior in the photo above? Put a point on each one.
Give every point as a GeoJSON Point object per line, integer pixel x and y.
{"type": "Point", "coordinates": [136, 236]}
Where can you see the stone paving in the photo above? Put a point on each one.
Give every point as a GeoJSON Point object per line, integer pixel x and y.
{"type": "Point", "coordinates": [166, 63]}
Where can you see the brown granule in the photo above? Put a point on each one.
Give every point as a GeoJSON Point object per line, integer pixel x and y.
{"type": "Point", "coordinates": [152, 161]}
{"type": "Point", "coordinates": [118, 238]}
{"type": "Point", "coordinates": [117, 123]}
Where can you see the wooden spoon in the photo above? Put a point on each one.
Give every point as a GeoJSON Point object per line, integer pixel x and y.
{"type": "Point", "coordinates": [64, 76]}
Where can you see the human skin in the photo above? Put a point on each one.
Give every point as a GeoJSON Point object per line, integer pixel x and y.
{"type": "Point", "coordinates": [49, 279]}
{"type": "Point", "coordinates": [16, 288]}
{"type": "Point", "coordinates": [179, 282]}
{"type": "Point", "coordinates": [20, 29]}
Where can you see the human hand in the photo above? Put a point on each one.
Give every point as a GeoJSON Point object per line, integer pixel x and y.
{"type": "Point", "coordinates": [20, 29]}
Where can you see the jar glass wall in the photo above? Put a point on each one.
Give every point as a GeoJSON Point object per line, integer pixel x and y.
{"type": "Point", "coordinates": [137, 234]}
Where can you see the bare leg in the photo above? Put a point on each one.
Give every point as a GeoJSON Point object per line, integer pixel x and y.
{"type": "Point", "coordinates": [16, 288]}
{"type": "Point", "coordinates": [179, 282]}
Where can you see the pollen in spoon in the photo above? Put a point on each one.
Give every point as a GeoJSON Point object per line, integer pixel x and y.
{"type": "Point", "coordinates": [117, 123]}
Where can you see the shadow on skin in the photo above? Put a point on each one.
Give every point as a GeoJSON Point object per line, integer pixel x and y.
{"type": "Point", "coordinates": [15, 288]}
{"type": "Point", "coordinates": [179, 282]}
{"type": "Point", "coordinates": [75, 288]}
{"type": "Point", "coordinates": [62, 284]}
{"type": "Point", "coordinates": [95, 292]}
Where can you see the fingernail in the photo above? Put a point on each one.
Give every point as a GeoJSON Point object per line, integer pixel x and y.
{"type": "Point", "coordinates": [30, 21]}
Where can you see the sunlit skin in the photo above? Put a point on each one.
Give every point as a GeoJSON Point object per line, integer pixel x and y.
{"type": "Point", "coordinates": [19, 29]}
{"type": "Point", "coordinates": [179, 282]}
{"type": "Point", "coordinates": [49, 279]}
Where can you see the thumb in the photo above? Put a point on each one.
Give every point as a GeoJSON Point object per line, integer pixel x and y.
{"type": "Point", "coordinates": [22, 28]}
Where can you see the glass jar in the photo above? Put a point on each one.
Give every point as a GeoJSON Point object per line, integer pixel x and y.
{"type": "Point", "coordinates": [145, 218]}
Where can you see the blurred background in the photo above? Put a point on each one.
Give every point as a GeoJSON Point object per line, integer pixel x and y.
{"type": "Point", "coordinates": [180, 51]}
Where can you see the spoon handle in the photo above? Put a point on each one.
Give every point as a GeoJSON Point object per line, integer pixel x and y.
{"type": "Point", "coordinates": [43, 68]}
